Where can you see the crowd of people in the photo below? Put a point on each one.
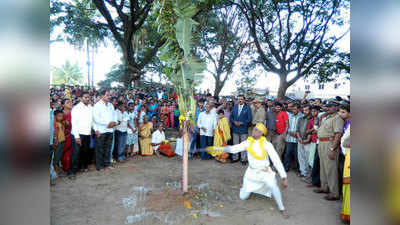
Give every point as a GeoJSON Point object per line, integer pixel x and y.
{"type": "Point", "coordinates": [104, 127]}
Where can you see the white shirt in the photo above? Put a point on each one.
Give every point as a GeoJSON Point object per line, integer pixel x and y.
{"type": "Point", "coordinates": [103, 114]}
{"type": "Point", "coordinates": [132, 116]}
{"type": "Point", "coordinates": [240, 109]}
{"type": "Point", "coordinates": [160, 94]}
{"type": "Point", "coordinates": [123, 118]}
{"type": "Point", "coordinates": [208, 121]}
{"type": "Point", "coordinates": [115, 115]}
{"type": "Point", "coordinates": [142, 114]}
{"type": "Point", "coordinates": [214, 111]}
{"type": "Point", "coordinates": [81, 119]}
{"type": "Point", "coordinates": [157, 138]}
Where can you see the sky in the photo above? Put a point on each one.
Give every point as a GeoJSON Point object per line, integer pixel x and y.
{"type": "Point", "coordinates": [106, 57]}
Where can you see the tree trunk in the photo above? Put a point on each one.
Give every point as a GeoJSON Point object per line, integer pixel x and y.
{"type": "Point", "coordinates": [283, 86]}
{"type": "Point", "coordinates": [217, 90]}
{"type": "Point", "coordinates": [88, 61]}
{"type": "Point", "coordinates": [136, 83]}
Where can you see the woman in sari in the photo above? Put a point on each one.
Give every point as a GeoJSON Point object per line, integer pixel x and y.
{"type": "Point", "coordinates": [165, 115]}
{"type": "Point", "coordinates": [171, 115]}
{"type": "Point", "coordinates": [66, 159]}
{"type": "Point", "coordinates": [345, 213]}
{"type": "Point", "coordinates": [222, 135]}
{"type": "Point", "coordinates": [145, 137]}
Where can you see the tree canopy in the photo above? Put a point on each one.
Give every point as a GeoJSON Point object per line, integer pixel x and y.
{"type": "Point", "coordinates": [68, 73]}
{"type": "Point", "coordinates": [296, 36]}
{"type": "Point", "coordinates": [221, 39]}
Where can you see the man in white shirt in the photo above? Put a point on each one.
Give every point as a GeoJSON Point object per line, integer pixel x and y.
{"type": "Point", "coordinates": [113, 145]}
{"type": "Point", "coordinates": [207, 123]}
{"type": "Point", "coordinates": [121, 131]}
{"type": "Point", "coordinates": [82, 123]}
{"type": "Point", "coordinates": [158, 137]}
{"type": "Point", "coordinates": [160, 94]}
{"type": "Point", "coordinates": [104, 121]}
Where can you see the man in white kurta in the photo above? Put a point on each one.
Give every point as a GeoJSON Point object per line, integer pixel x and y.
{"type": "Point", "coordinates": [158, 137]}
{"type": "Point", "coordinates": [259, 177]}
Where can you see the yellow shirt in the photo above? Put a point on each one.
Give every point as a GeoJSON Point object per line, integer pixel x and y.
{"type": "Point", "coordinates": [61, 135]}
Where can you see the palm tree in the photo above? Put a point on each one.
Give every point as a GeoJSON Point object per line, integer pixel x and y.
{"type": "Point", "coordinates": [67, 74]}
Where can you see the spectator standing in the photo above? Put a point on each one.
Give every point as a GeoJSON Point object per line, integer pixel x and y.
{"type": "Point", "coordinates": [104, 121]}
{"type": "Point", "coordinates": [258, 114]}
{"type": "Point", "coordinates": [121, 131]}
{"type": "Point", "coordinates": [82, 124]}
{"type": "Point", "coordinates": [329, 135]}
{"type": "Point", "coordinates": [240, 119]}
{"type": "Point", "coordinates": [207, 123]}
{"type": "Point", "coordinates": [66, 158]}
{"type": "Point", "coordinates": [145, 137]}
{"type": "Point", "coordinates": [303, 142]}
{"type": "Point", "coordinates": [59, 140]}
{"type": "Point", "coordinates": [291, 139]}
{"type": "Point", "coordinates": [281, 124]}
{"type": "Point", "coordinates": [132, 138]}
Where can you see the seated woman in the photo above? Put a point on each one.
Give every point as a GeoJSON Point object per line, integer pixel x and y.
{"type": "Point", "coordinates": [222, 135]}
{"type": "Point", "coordinates": [159, 143]}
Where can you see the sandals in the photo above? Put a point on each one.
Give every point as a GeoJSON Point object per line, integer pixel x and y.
{"type": "Point", "coordinates": [331, 198]}
{"type": "Point", "coordinates": [320, 191]}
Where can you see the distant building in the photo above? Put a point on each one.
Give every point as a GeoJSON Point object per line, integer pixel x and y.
{"type": "Point", "coordinates": [339, 87]}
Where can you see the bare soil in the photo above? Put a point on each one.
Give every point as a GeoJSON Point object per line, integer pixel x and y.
{"type": "Point", "coordinates": [146, 190]}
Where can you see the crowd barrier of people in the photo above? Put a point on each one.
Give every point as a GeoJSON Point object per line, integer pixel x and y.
{"type": "Point", "coordinates": [106, 127]}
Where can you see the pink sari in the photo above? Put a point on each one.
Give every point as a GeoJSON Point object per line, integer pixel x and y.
{"type": "Point", "coordinates": [171, 117]}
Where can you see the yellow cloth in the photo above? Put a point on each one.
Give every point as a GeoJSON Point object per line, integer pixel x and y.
{"type": "Point", "coordinates": [67, 94]}
{"type": "Point", "coordinates": [345, 213]}
{"type": "Point", "coordinates": [393, 182]}
{"type": "Point", "coordinates": [251, 150]}
{"type": "Point", "coordinates": [222, 135]}
{"type": "Point", "coordinates": [61, 134]}
{"type": "Point", "coordinates": [261, 128]}
{"type": "Point", "coordinates": [145, 139]}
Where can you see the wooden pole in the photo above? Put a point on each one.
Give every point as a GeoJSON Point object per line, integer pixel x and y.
{"type": "Point", "coordinates": [185, 159]}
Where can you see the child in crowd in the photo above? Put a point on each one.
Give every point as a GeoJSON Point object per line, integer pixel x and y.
{"type": "Point", "coordinates": [59, 140]}
{"type": "Point", "coordinates": [132, 141]}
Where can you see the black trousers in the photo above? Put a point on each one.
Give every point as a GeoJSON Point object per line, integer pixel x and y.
{"type": "Point", "coordinates": [103, 145]}
{"type": "Point", "coordinates": [80, 154]}
{"type": "Point", "coordinates": [315, 177]}
{"type": "Point", "coordinates": [84, 151]}
{"type": "Point", "coordinates": [290, 152]}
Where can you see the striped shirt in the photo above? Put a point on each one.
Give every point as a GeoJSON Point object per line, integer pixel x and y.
{"type": "Point", "coordinates": [293, 126]}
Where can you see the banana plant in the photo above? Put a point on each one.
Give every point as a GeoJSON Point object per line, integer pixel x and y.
{"type": "Point", "coordinates": [184, 69]}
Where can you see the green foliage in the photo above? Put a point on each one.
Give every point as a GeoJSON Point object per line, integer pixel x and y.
{"type": "Point", "coordinates": [221, 40]}
{"type": "Point", "coordinates": [67, 74]}
{"type": "Point", "coordinates": [298, 37]}
{"type": "Point", "coordinates": [183, 68]}
{"type": "Point", "coordinates": [245, 83]}
{"type": "Point", "coordinates": [77, 18]}
{"type": "Point", "coordinates": [115, 75]}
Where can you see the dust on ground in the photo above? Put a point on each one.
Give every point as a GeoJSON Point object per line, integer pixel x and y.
{"type": "Point", "coordinates": [147, 190]}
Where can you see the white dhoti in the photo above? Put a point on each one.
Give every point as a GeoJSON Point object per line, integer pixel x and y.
{"type": "Point", "coordinates": [263, 183]}
{"type": "Point", "coordinates": [259, 177]}
{"type": "Point", "coordinates": [179, 146]}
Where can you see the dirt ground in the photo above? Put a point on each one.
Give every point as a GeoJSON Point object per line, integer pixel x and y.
{"type": "Point", "coordinates": [146, 190]}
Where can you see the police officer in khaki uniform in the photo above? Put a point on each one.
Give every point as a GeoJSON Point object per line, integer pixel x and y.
{"type": "Point", "coordinates": [258, 114]}
{"type": "Point", "coordinates": [329, 134]}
